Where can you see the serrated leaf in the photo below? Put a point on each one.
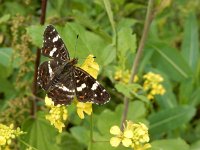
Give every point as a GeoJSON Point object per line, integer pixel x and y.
{"type": "Point", "coordinates": [170, 119]}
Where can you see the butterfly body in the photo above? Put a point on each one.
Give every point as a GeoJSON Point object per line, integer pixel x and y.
{"type": "Point", "coordinates": [61, 79]}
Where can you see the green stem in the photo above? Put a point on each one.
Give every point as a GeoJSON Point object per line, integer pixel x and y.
{"type": "Point", "coordinates": [147, 23]}
{"type": "Point", "coordinates": [91, 132]}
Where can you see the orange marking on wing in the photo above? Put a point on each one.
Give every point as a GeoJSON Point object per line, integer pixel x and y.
{"type": "Point", "coordinates": [81, 97]}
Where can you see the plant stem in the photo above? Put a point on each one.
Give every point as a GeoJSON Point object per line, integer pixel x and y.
{"type": "Point", "coordinates": [148, 20]}
{"type": "Point", "coordinates": [37, 62]}
{"type": "Point", "coordinates": [91, 132]}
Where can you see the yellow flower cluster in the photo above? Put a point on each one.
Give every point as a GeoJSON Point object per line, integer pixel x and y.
{"type": "Point", "coordinates": [124, 76]}
{"type": "Point", "coordinates": [152, 85]}
{"type": "Point", "coordinates": [57, 114]}
{"type": "Point", "coordinates": [7, 133]}
{"type": "Point", "coordinates": [134, 135]}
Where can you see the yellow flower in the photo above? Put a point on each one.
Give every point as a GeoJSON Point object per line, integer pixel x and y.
{"type": "Point", "coordinates": [57, 114]}
{"type": "Point", "coordinates": [152, 85]}
{"type": "Point", "coordinates": [7, 133]}
{"type": "Point", "coordinates": [84, 107]}
{"type": "Point", "coordinates": [124, 76]}
{"type": "Point", "coordinates": [134, 135]}
{"type": "Point", "coordinates": [124, 137]}
{"type": "Point", "coordinates": [90, 66]}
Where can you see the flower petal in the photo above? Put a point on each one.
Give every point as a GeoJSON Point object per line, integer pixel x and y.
{"type": "Point", "coordinates": [115, 141]}
{"type": "Point", "coordinates": [115, 130]}
{"type": "Point", "coordinates": [126, 142]}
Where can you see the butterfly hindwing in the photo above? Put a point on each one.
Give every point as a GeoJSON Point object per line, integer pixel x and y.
{"type": "Point", "coordinates": [89, 89]}
{"type": "Point", "coordinates": [53, 45]}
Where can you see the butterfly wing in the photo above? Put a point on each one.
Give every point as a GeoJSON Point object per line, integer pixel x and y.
{"type": "Point", "coordinates": [63, 92]}
{"type": "Point", "coordinates": [46, 72]}
{"type": "Point", "coordinates": [53, 45]}
{"type": "Point", "coordinates": [88, 88]}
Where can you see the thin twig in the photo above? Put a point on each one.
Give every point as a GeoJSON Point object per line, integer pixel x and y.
{"type": "Point", "coordinates": [37, 61]}
{"type": "Point", "coordinates": [148, 20]}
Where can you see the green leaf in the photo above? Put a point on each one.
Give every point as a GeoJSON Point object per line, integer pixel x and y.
{"type": "Point", "coordinates": [195, 146]}
{"type": "Point", "coordinates": [81, 134]}
{"type": "Point", "coordinates": [36, 34]}
{"type": "Point", "coordinates": [128, 90]}
{"type": "Point", "coordinates": [40, 134]}
{"type": "Point", "coordinates": [4, 18]}
{"type": "Point", "coordinates": [169, 119]}
{"type": "Point", "coordinates": [195, 100]}
{"type": "Point", "coordinates": [124, 89]}
{"type": "Point", "coordinates": [170, 61]}
{"type": "Point", "coordinates": [126, 41]}
{"type": "Point", "coordinates": [108, 55]}
{"type": "Point", "coordinates": [67, 142]}
{"type": "Point", "coordinates": [169, 144]}
{"type": "Point", "coordinates": [110, 15]}
{"type": "Point", "coordinates": [190, 46]}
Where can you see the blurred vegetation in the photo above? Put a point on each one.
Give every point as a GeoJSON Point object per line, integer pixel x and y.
{"type": "Point", "coordinates": [110, 30]}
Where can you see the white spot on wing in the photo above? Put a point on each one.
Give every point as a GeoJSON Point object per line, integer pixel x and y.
{"type": "Point", "coordinates": [81, 87]}
{"type": "Point", "coordinates": [95, 85]}
{"type": "Point", "coordinates": [50, 70]}
{"type": "Point", "coordinates": [56, 38]}
{"type": "Point", "coordinates": [53, 51]}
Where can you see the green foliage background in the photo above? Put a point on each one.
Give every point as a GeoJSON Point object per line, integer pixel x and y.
{"type": "Point", "coordinates": [111, 30]}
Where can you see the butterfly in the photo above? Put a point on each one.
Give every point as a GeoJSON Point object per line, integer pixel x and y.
{"type": "Point", "coordinates": [62, 79]}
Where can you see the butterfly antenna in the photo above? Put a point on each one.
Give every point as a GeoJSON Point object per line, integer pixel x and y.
{"type": "Point", "coordinates": [77, 36]}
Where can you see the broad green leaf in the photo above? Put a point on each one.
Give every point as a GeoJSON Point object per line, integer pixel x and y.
{"type": "Point", "coordinates": [81, 134]}
{"type": "Point", "coordinates": [170, 144]}
{"type": "Point", "coordinates": [36, 34]}
{"type": "Point", "coordinates": [168, 119]}
{"type": "Point", "coordinates": [190, 45]}
{"type": "Point", "coordinates": [108, 55]}
{"type": "Point", "coordinates": [40, 134]}
{"type": "Point", "coordinates": [170, 61]}
{"type": "Point", "coordinates": [66, 141]}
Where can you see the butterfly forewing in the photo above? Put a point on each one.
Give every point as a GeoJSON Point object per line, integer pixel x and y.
{"type": "Point", "coordinates": [62, 79]}
{"type": "Point", "coordinates": [46, 73]}
{"type": "Point", "coordinates": [53, 45]}
{"type": "Point", "coordinates": [89, 89]}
